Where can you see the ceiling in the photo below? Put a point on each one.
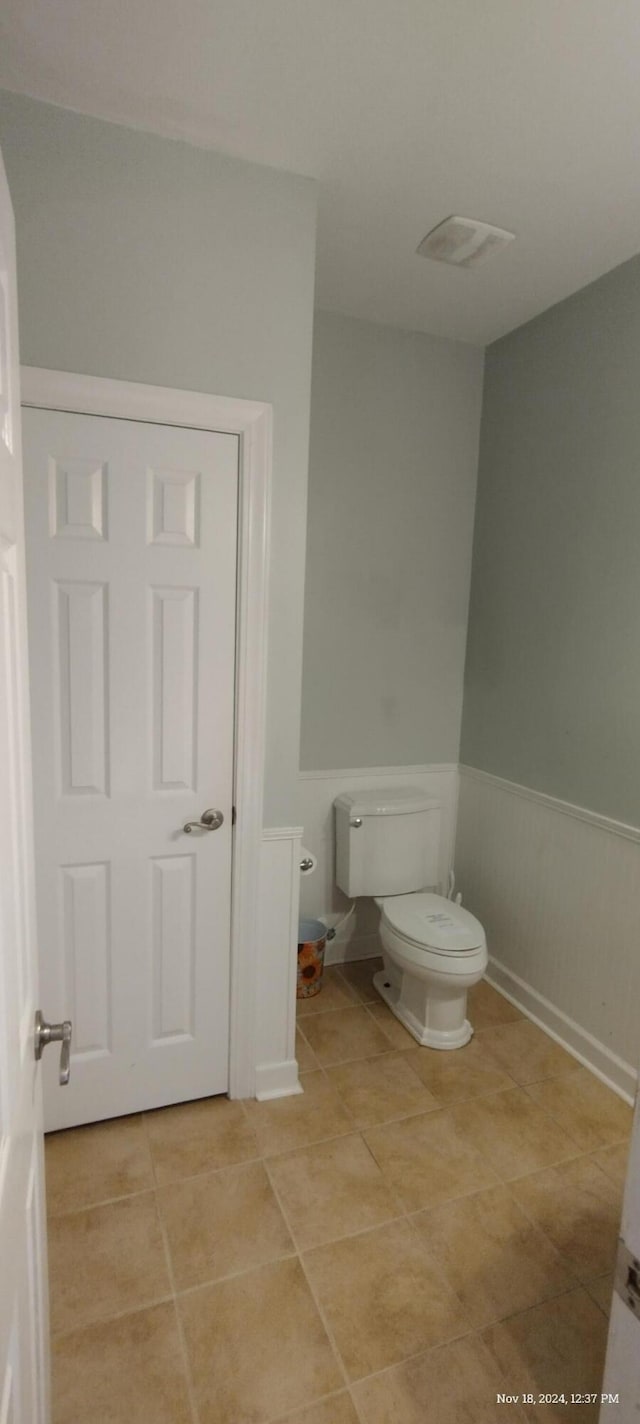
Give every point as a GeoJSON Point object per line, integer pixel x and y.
{"type": "Point", "coordinates": [523, 113]}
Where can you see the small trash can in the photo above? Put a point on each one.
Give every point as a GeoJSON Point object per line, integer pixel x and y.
{"type": "Point", "coordinates": [312, 938]}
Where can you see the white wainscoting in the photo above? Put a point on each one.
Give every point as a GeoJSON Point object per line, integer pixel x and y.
{"type": "Point", "coordinates": [276, 963]}
{"type": "Point", "coordinates": [319, 895]}
{"type": "Point", "coordinates": [558, 891]}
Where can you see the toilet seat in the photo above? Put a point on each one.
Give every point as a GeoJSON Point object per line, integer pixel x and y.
{"type": "Point", "coordinates": [427, 924]}
{"type": "Point", "coordinates": [434, 951]}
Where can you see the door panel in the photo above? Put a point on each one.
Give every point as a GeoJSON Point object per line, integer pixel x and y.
{"type": "Point", "coordinates": [24, 1375]}
{"type": "Point", "coordinates": [621, 1386]}
{"type": "Point", "coordinates": [131, 566]}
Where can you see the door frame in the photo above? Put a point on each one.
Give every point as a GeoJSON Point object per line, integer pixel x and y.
{"type": "Point", "coordinates": [251, 421]}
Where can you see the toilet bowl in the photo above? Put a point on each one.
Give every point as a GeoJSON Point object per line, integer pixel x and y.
{"type": "Point", "coordinates": [388, 846]}
{"type": "Point", "coordinates": [433, 952]}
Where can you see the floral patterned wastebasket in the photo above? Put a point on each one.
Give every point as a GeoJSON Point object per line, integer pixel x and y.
{"type": "Point", "coordinates": [312, 938]}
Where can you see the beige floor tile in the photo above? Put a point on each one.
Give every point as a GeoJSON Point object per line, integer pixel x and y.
{"type": "Point", "coordinates": [332, 1190]}
{"type": "Point", "coordinates": [87, 1165]}
{"type": "Point", "coordinates": [283, 1124]}
{"type": "Point", "coordinates": [525, 1052]}
{"type": "Point", "coordinates": [257, 1346]}
{"type": "Point", "coordinates": [307, 1060]}
{"type": "Point", "coordinates": [382, 1298]}
{"type": "Point", "coordinates": [427, 1161]}
{"type": "Point", "coordinates": [485, 1006]}
{"type": "Point", "coordinates": [359, 976]}
{"type": "Point", "coordinates": [512, 1133]}
{"type": "Point", "coordinates": [127, 1369]}
{"type": "Point", "coordinates": [556, 1348]}
{"type": "Point", "coordinates": [491, 1255]}
{"type": "Point", "coordinates": [337, 1410]}
{"type": "Point", "coordinates": [198, 1137]}
{"type": "Point", "coordinates": [391, 1027]}
{"type": "Point", "coordinates": [578, 1208]}
{"type": "Point", "coordinates": [468, 1072]}
{"type": "Point", "coordinates": [379, 1089]}
{"type": "Point", "coordinates": [106, 1260]}
{"type": "Point", "coordinates": [334, 994]}
{"type": "Point", "coordinates": [585, 1108]}
{"type": "Point", "coordinates": [453, 1384]}
{"type": "Point", "coordinates": [601, 1290]}
{"type": "Point", "coordinates": [614, 1161]}
{"type": "Point", "coordinates": [221, 1223]}
{"type": "Point", "coordinates": [344, 1035]}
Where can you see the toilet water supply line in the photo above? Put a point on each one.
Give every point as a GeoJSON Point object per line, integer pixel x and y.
{"type": "Point", "coordinates": [333, 929]}
{"type": "Point", "coordinates": [452, 885]}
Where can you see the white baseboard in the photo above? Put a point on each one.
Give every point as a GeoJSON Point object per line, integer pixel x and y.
{"type": "Point", "coordinates": [345, 951]}
{"type": "Point", "coordinates": [277, 1080]}
{"type": "Point", "coordinates": [618, 1075]}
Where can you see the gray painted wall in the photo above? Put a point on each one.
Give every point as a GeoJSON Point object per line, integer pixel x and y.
{"type": "Point", "coordinates": [148, 260]}
{"type": "Point", "coordinates": [392, 473]}
{"type": "Point", "coordinates": [552, 688]}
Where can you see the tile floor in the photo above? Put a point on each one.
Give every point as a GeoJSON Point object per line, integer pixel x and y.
{"type": "Point", "coordinates": [413, 1234]}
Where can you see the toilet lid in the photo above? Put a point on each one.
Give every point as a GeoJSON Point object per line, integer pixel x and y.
{"type": "Point", "coordinates": [433, 922]}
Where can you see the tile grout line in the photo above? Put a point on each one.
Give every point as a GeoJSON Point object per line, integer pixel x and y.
{"type": "Point", "coordinates": [321, 1312]}
{"type": "Point", "coordinates": [582, 1151]}
{"type": "Point", "coordinates": [186, 1364]}
{"type": "Point", "coordinates": [109, 1319]}
{"type": "Point", "coordinates": [476, 1333]}
{"type": "Point", "coordinates": [94, 1205]}
{"type": "Point", "coordinates": [358, 1127]}
{"type": "Point", "coordinates": [182, 1291]}
{"type": "Point", "coordinates": [579, 1280]}
{"type": "Point", "coordinates": [147, 1138]}
{"type": "Point", "coordinates": [295, 1412]}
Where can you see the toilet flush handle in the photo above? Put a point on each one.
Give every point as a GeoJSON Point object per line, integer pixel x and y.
{"type": "Point", "coordinates": [356, 822]}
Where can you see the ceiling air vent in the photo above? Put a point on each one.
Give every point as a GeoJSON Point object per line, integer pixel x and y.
{"type": "Point", "coordinates": [464, 241]}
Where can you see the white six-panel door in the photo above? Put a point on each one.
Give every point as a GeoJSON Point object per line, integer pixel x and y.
{"type": "Point", "coordinates": [24, 1389]}
{"type": "Point", "coordinates": [131, 568]}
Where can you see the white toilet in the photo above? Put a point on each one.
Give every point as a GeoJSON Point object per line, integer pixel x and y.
{"type": "Point", "coordinates": [387, 846]}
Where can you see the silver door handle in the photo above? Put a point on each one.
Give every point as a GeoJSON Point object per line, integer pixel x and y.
{"type": "Point", "coordinates": [209, 821]}
{"type": "Point", "coordinates": [54, 1033]}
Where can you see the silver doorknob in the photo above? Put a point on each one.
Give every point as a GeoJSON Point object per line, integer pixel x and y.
{"type": "Point", "coordinates": [54, 1033]}
{"type": "Point", "coordinates": [209, 821]}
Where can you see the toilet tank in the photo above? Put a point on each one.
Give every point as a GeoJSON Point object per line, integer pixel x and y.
{"type": "Point", "coordinates": [387, 841]}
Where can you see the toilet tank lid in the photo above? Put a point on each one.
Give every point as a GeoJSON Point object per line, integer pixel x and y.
{"type": "Point", "coordinates": [432, 921]}
{"type": "Point", "coordinates": [386, 801]}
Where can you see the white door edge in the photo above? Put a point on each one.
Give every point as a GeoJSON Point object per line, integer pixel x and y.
{"type": "Point", "coordinates": [251, 421]}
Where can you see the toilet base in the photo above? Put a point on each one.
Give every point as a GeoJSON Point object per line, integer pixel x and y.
{"type": "Point", "coordinates": [427, 1037]}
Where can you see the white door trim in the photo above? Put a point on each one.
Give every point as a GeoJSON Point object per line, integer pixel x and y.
{"type": "Point", "coordinates": [251, 421]}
